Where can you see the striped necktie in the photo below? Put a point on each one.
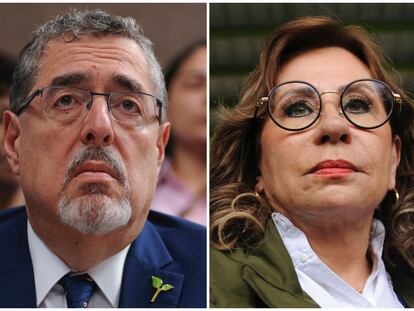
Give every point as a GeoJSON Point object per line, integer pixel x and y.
{"type": "Point", "coordinates": [79, 289]}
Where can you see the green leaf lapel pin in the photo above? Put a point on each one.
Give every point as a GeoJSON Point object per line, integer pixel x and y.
{"type": "Point", "coordinates": [160, 286]}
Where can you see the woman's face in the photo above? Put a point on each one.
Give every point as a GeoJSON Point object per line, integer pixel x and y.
{"type": "Point", "coordinates": [187, 100]}
{"type": "Point", "coordinates": [332, 168]}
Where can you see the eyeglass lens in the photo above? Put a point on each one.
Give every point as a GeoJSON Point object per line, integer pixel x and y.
{"type": "Point", "coordinates": [297, 105]}
{"type": "Point", "coordinates": [68, 104]}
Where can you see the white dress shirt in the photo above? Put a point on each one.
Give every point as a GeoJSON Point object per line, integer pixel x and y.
{"type": "Point", "coordinates": [49, 269]}
{"type": "Point", "coordinates": [323, 285]}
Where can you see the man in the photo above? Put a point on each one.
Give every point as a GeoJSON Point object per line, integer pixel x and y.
{"type": "Point", "coordinates": [10, 192]}
{"type": "Point", "coordinates": [87, 137]}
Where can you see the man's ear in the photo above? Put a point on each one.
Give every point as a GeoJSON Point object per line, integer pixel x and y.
{"type": "Point", "coordinates": [163, 135]}
{"type": "Point", "coordinates": [11, 130]}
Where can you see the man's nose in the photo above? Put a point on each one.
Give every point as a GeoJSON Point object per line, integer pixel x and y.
{"type": "Point", "coordinates": [97, 128]}
{"type": "Point", "coordinates": [333, 127]}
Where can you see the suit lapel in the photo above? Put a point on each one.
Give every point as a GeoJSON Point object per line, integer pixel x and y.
{"type": "Point", "coordinates": [17, 286]}
{"type": "Point", "coordinates": [147, 257]}
{"type": "Point", "coordinates": [269, 271]}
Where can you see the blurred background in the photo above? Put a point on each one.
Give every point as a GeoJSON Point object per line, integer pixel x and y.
{"type": "Point", "coordinates": [169, 26]}
{"type": "Point", "coordinates": [237, 30]}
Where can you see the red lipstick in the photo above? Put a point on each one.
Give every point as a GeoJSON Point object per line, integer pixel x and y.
{"type": "Point", "coordinates": [333, 168]}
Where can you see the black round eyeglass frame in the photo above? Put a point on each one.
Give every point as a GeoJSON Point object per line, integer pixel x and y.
{"type": "Point", "coordinates": [39, 91]}
{"type": "Point", "coordinates": [265, 100]}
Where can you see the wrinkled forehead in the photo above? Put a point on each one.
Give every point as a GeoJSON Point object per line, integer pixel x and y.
{"type": "Point", "coordinates": [97, 56]}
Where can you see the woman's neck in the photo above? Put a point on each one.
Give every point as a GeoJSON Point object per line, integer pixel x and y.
{"type": "Point", "coordinates": [342, 245]}
{"type": "Point", "coordinates": [189, 164]}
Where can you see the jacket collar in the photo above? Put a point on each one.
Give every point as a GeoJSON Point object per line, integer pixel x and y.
{"type": "Point", "coordinates": [148, 257]}
{"type": "Point", "coordinates": [16, 270]}
{"type": "Point", "coordinates": [269, 271]}
{"type": "Point", "coordinates": [402, 277]}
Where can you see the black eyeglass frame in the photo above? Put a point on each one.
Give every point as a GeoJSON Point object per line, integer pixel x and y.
{"type": "Point", "coordinates": [38, 92]}
{"type": "Point", "coordinates": [396, 99]}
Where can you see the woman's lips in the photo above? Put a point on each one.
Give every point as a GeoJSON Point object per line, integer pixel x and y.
{"type": "Point", "coordinates": [333, 168]}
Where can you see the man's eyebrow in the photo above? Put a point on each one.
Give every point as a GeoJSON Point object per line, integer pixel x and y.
{"type": "Point", "coordinates": [70, 79]}
{"type": "Point", "coordinates": [128, 83]}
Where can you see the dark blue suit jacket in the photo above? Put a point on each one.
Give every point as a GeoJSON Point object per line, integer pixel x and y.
{"type": "Point", "coordinates": [167, 247]}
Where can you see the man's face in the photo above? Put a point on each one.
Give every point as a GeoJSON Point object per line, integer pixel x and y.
{"type": "Point", "coordinates": [94, 174]}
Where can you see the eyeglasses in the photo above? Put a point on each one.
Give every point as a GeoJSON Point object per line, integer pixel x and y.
{"type": "Point", "coordinates": [296, 105]}
{"type": "Point", "coordinates": [66, 104]}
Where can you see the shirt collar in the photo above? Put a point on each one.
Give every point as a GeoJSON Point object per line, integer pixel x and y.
{"type": "Point", "coordinates": [289, 232]}
{"type": "Point", "coordinates": [108, 275]}
{"type": "Point", "coordinates": [49, 269]}
{"type": "Point", "coordinates": [324, 280]}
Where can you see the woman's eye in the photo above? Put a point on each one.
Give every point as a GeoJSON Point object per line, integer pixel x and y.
{"type": "Point", "coordinates": [357, 106]}
{"type": "Point", "coordinates": [298, 109]}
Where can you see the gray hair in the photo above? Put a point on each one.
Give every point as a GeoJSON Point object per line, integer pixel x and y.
{"type": "Point", "coordinates": [80, 23]}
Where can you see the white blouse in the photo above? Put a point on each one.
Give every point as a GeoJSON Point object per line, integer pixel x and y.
{"type": "Point", "coordinates": [323, 285]}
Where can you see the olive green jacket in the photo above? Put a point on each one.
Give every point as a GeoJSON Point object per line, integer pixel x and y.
{"type": "Point", "coordinates": [265, 277]}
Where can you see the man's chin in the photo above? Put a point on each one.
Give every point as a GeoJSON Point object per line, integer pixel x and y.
{"type": "Point", "coordinates": [101, 189]}
{"type": "Point", "coordinates": [94, 188]}
{"type": "Point", "coordinates": [94, 212]}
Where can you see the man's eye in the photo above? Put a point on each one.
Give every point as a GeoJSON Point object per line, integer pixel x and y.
{"type": "Point", "coordinates": [65, 101]}
{"type": "Point", "coordinates": [357, 106]}
{"type": "Point", "coordinates": [130, 107]}
{"type": "Point", "coordinates": [298, 109]}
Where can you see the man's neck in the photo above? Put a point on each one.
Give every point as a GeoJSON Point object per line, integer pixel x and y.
{"type": "Point", "coordinates": [10, 196]}
{"type": "Point", "coordinates": [82, 252]}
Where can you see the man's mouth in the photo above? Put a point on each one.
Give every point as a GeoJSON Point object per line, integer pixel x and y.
{"type": "Point", "coordinates": [94, 170]}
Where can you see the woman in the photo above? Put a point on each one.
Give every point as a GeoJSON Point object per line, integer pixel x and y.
{"type": "Point", "coordinates": [181, 189]}
{"type": "Point", "coordinates": [320, 142]}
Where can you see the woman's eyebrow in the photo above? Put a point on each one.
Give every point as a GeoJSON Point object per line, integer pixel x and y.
{"type": "Point", "coordinates": [297, 91]}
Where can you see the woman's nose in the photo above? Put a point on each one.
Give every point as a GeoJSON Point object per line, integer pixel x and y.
{"type": "Point", "coordinates": [333, 127]}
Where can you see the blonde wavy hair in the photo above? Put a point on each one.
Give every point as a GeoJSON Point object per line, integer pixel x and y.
{"type": "Point", "coordinates": [238, 215]}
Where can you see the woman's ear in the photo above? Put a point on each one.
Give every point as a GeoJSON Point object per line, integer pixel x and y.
{"type": "Point", "coordinates": [259, 185]}
{"type": "Point", "coordinates": [395, 161]}
{"type": "Point", "coordinates": [11, 130]}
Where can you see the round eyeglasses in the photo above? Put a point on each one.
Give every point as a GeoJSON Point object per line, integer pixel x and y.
{"type": "Point", "coordinates": [296, 105]}
{"type": "Point", "coordinates": [67, 104]}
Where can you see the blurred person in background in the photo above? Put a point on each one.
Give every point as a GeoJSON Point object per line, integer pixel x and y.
{"type": "Point", "coordinates": [10, 191]}
{"type": "Point", "coordinates": [181, 188]}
